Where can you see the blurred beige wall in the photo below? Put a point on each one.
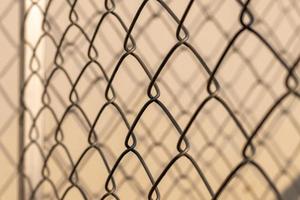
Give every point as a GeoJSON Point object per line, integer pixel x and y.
{"type": "Point", "coordinates": [9, 97]}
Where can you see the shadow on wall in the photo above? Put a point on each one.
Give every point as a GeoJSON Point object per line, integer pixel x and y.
{"type": "Point", "coordinates": [292, 192]}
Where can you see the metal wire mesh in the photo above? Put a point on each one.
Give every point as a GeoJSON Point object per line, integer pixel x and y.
{"type": "Point", "coordinates": [174, 99]}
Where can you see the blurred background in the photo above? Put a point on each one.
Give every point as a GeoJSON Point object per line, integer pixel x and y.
{"type": "Point", "coordinates": [79, 118]}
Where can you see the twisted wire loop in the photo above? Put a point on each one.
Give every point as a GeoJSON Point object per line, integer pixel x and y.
{"type": "Point", "coordinates": [162, 99]}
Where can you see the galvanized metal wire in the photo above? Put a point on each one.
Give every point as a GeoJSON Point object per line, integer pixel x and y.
{"type": "Point", "coordinates": [153, 99]}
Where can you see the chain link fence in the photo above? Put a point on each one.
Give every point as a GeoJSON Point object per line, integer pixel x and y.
{"type": "Point", "coordinates": [150, 99]}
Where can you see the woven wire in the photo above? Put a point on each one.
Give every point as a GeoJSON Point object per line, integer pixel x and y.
{"type": "Point", "coordinates": [165, 100]}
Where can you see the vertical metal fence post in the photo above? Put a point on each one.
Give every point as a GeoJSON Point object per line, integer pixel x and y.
{"type": "Point", "coordinates": [21, 194]}
{"type": "Point", "coordinates": [33, 63]}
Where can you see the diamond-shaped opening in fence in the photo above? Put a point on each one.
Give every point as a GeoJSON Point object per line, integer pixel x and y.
{"type": "Point", "coordinates": [183, 181]}
{"type": "Point", "coordinates": [240, 185]}
{"type": "Point", "coordinates": [277, 22]}
{"type": "Point", "coordinates": [279, 144]}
